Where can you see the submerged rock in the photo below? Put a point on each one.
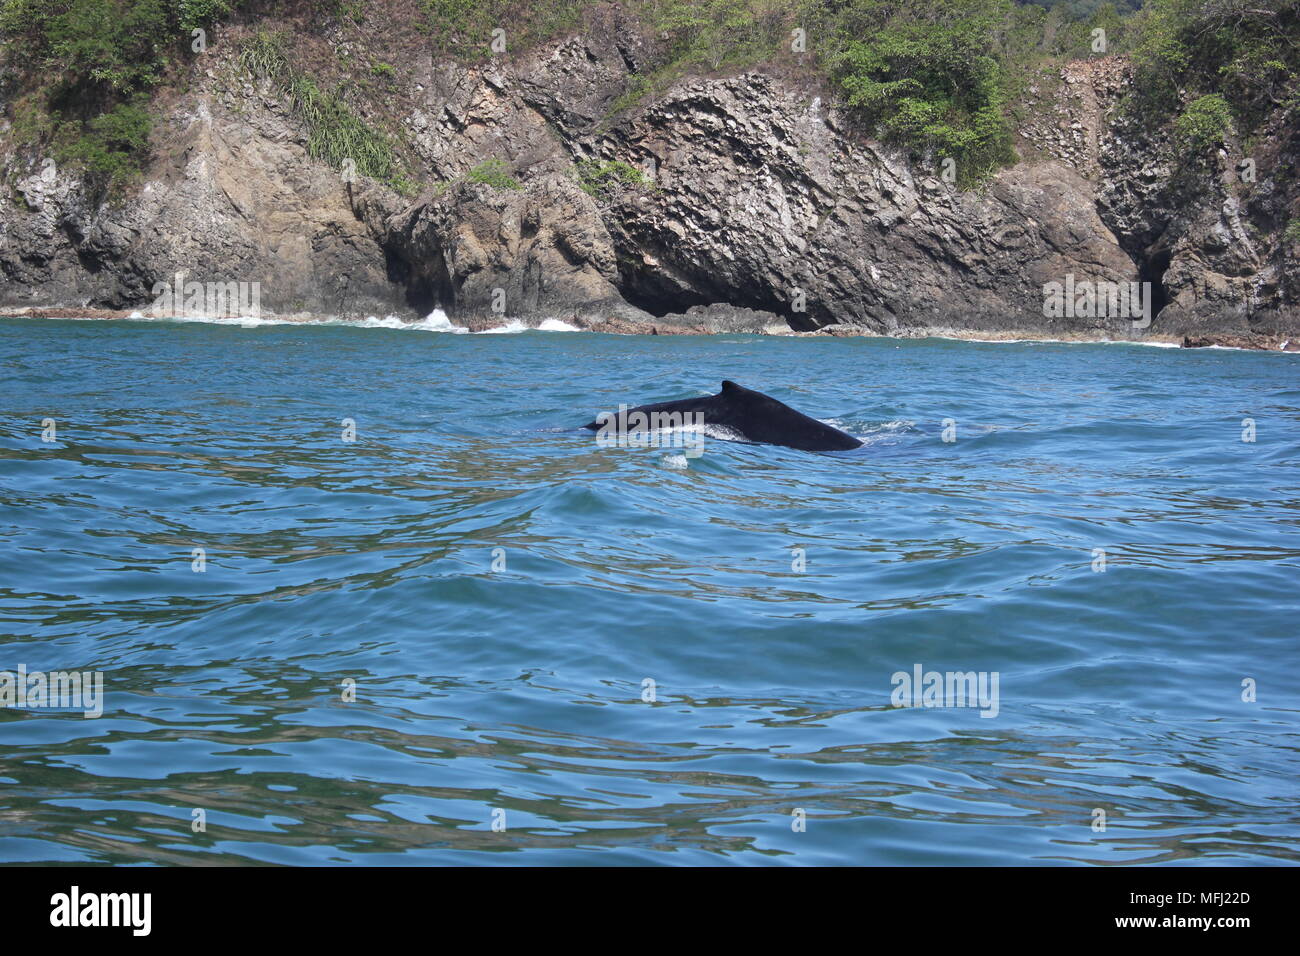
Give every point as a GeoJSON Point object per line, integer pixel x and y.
{"type": "Point", "coordinates": [720, 317]}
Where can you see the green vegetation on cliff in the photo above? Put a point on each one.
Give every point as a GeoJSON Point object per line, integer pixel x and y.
{"type": "Point", "coordinates": [464, 28]}
{"type": "Point", "coordinates": [90, 67]}
{"type": "Point", "coordinates": [1216, 64]}
{"type": "Point", "coordinates": [1204, 124]}
{"type": "Point", "coordinates": [939, 78]}
{"type": "Point", "coordinates": [494, 173]}
{"type": "Point", "coordinates": [608, 180]}
{"type": "Point", "coordinates": [930, 74]}
{"type": "Point", "coordinates": [335, 134]}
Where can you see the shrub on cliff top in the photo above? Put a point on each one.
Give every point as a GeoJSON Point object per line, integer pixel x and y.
{"type": "Point", "coordinates": [1204, 124]}
{"type": "Point", "coordinates": [1069, 30]}
{"type": "Point", "coordinates": [1244, 50]}
{"type": "Point", "coordinates": [110, 146]}
{"type": "Point", "coordinates": [197, 14]}
{"type": "Point", "coordinates": [118, 46]}
{"type": "Point", "coordinates": [89, 64]}
{"type": "Point", "coordinates": [716, 33]}
{"type": "Point", "coordinates": [927, 75]}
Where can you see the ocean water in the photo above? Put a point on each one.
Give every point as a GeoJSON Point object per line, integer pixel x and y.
{"type": "Point", "coordinates": [562, 653]}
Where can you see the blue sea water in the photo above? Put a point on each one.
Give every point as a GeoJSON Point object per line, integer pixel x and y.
{"type": "Point", "coordinates": [644, 673]}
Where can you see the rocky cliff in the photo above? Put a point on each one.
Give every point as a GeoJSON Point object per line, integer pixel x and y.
{"type": "Point", "coordinates": [741, 201]}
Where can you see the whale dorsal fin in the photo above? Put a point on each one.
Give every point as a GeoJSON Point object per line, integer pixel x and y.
{"type": "Point", "coordinates": [729, 386]}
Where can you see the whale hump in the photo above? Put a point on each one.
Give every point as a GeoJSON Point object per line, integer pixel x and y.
{"type": "Point", "coordinates": [751, 415]}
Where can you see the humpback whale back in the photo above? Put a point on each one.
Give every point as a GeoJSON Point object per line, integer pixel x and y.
{"type": "Point", "coordinates": [754, 417]}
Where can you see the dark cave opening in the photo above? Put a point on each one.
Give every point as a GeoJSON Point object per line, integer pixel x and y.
{"type": "Point", "coordinates": [658, 296]}
{"type": "Point", "coordinates": [419, 290]}
{"type": "Point", "coordinates": [1151, 268]}
{"type": "Point", "coordinates": [653, 295]}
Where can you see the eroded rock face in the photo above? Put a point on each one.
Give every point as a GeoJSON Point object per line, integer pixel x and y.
{"type": "Point", "coordinates": [758, 196]}
{"type": "Point", "coordinates": [764, 199]}
{"type": "Point", "coordinates": [1208, 230]}
{"type": "Point", "coordinates": [231, 197]}
{"type": "Point", "coordinates": [540, 250]}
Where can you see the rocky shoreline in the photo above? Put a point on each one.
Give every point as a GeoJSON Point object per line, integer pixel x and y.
{"type": "Point", "coordinates": [751, 189]}
{"type": "Point", "coordinates": [674, 326]}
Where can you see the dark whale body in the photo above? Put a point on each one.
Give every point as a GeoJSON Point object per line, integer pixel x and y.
{"type": "Point", "coordinates": [754, 417]}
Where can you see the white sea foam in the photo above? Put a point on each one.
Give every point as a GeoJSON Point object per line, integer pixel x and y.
{"type": "Point", "coordinates": [654, 437]}
{"type": "Point", "coordinates": [515, 326]}
{"type": "Point", "coordinates": [435, 321]}
{"type": "Point", "coordinates": [896, 425]}
{"type": "Point", "coordinates": [870, 434]}
{"type": "Point", "coordinates": [510, 328]}
{"type": "Point", "coordinates": [556, 325]}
